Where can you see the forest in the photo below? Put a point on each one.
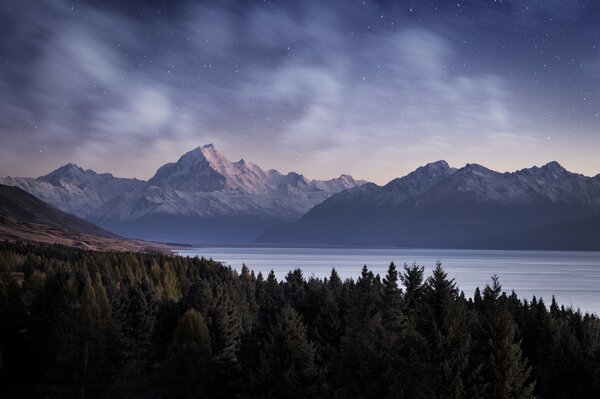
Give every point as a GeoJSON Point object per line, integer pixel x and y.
{"type": "Point", "coordinates": [91, 324]}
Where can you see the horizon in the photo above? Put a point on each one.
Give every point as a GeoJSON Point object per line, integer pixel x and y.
{"type": "Point", "coordinates": [368, 88]}
{"type": "Point", "coordinates": [85, 168]}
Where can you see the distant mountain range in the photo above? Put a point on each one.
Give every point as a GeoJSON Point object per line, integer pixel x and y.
{"type": "Point", "coordinates": [24, 217]}
{"type": "Point", "coordinates": [203, 197]}
{"type": "Point", "coordinates": [75, 190]}
{"type": "Point", "coordinates": [471, 207]}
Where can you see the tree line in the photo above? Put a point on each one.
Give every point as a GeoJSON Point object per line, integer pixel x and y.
{"type": "Point", "coordinates": [88, 324]}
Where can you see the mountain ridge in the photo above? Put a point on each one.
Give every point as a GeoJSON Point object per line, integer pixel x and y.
{"type": "Point", "coordinates": [74, 190]}
{"type": "Point", "coordinates": [204, 188]}
{"type": "Point", "coordinates": [203, 197]}
{"type": "Point", "coordinates": [451, 209]}
{"type": "Point", "coordinates": [201, 188]}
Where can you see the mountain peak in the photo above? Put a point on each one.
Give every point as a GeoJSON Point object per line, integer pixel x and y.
{"type": "Point", "coordinates": [436, 166]}
{"type": "Point", "coordinates": [206, 152]}
{"type": "Point", "coordinates": [69, 170]}
{"type": "Point", "coordinates": [474, 167]}
{"type": "Point", "coordinates": [439, 164]}
{"type": "Point", "coordinates": [208, 148]}
{"type": "Point", "coordinates": [554, 167]}
{"type": "Point", "coordinates": [432, 169]}
{"type": "Point", "coordinates": [70, 167]}
{"type": "Point", "coordinates": [197, 168]}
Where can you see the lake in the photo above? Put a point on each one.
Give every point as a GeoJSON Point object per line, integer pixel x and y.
{"type": "Point", "coordinates": [572, 277]}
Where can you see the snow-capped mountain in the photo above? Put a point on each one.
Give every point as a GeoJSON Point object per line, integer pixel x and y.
{"type": "Point", "coordinates": [396, 191]}
{"type": "Point", "coordinates": [201, 197]}
{"type": "Point", "coordinates": [204, 195]}
{"type": "Point", "coordinates": [439, 206]}
{"type": "Point", "coordinates": [204, 169]}
{"type": "Point", "coordinates": [73, 189]}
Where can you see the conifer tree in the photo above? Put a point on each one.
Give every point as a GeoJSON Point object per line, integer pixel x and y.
{"type": "Point", "coordinates": [295, 290]}
{"type": "Point", "coordinates": [141, 307]}
{"type": "Point", "coordinates": [444, 327]}
{"type": "Point", "coordinates": [392, 338]}
{"type": "Point", "coordinates": [189, 358]}
{"type": "Point", "coordinates": [226, 333]}
{"type": "Point", "coordinates": [287, 362]}
{"type": "Point", "coordinates": [412, 279]}
{"type": "Point", "coordinates": [361, 364]}
{"type": "Point", "coordinates": [326, 326]}
{"type": "Point", "coordinates": [248, 287]}
{"type": "Point", "coordinates": [503, 368]}
{"type": "Point", "coordinates": [335, 282]}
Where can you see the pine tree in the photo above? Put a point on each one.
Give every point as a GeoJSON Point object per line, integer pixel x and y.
{"type": "Point", "coordinates": [393, 335]}
{"type": "Point", "coordinates": [504, 371]}
{"type": "Point", "coordinates": [412, 279]}
{"type": "Point", "coordinates": [13, 318]}
{"type": "Point", "coordinates": [141, 307]}
{"type": "Point", "coordinates": [287, 361]}
{"type": "Point", "coordinates": [200, 296]}
{"type": "Point", "coordinates": [393, 318]}
{"type": "Point", "coordinates": [444, 327]}
{"type": "Point", "coordinates": [361, 364]}
{"type": "Point", "coordinates": [250, 307]}
{"type": "Point", "coordinates": [335, 282]}
{"type": "Point", "coordinates": [295, 289]}
{"type": "Point", "coordinates": [189, 358]}
{"type": "Point", "coordinates": [226, 333]}
{"type": "Point", "coordinates": [270, 298]}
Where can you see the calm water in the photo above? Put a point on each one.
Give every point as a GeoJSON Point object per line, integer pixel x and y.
{"type": "Point", "coordinates": [573, 277]}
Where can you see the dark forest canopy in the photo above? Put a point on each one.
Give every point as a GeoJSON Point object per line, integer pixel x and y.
{"type": "Point", "coordinates": [76, 323]}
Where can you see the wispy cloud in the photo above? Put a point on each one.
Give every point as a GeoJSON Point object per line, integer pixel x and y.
{"type": "Point", "coordinates": [319, 88]}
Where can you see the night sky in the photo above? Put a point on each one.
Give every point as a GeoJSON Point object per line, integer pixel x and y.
{"type": "Point", "coordinates": [369, 88]}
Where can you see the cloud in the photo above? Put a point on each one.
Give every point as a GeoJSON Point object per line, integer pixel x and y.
{"type": "Point", "coordinates": [358, 103]}
{"type": "Point", "coordinates": [320, 88]}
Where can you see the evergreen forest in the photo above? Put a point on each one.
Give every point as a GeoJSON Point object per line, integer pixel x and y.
{"type": "Point", "coordinates": [90, 324]}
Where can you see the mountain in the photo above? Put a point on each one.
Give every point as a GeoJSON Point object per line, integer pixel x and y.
{"type": "Point", "coordinates": [204, 197]}
{"type": "Point", "coordinates": [73, 189]}
{"type": "Point", "coordinates": [439, 206]}
{"type": "Point", "coordinates": [573, 235]}
{"type": "Point", "coordinates": [26, 218]}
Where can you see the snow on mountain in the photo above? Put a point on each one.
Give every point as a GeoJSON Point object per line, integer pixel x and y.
{"type": "Point", "coordinates": [441, 206]}
{"type": "Point", "coordinates": [204, 183]}
{"type": "Point", "coordinates": [205, 197]}
{"type": "Point", "coordinates": [73, 189]}
{"type": "Point", "coordinates": [395, 192]}
{"type": "Point", "coordinates": [550, 184]}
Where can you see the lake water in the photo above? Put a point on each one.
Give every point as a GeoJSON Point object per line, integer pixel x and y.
{"type": "Point", "coordinates": [572, 277]}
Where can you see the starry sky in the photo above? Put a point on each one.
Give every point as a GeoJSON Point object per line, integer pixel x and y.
{"type": "Point", "coordinates": [369, 88]}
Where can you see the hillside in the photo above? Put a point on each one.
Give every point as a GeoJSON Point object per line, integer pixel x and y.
{"type": "Point", "coordinates": [23, 217]}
